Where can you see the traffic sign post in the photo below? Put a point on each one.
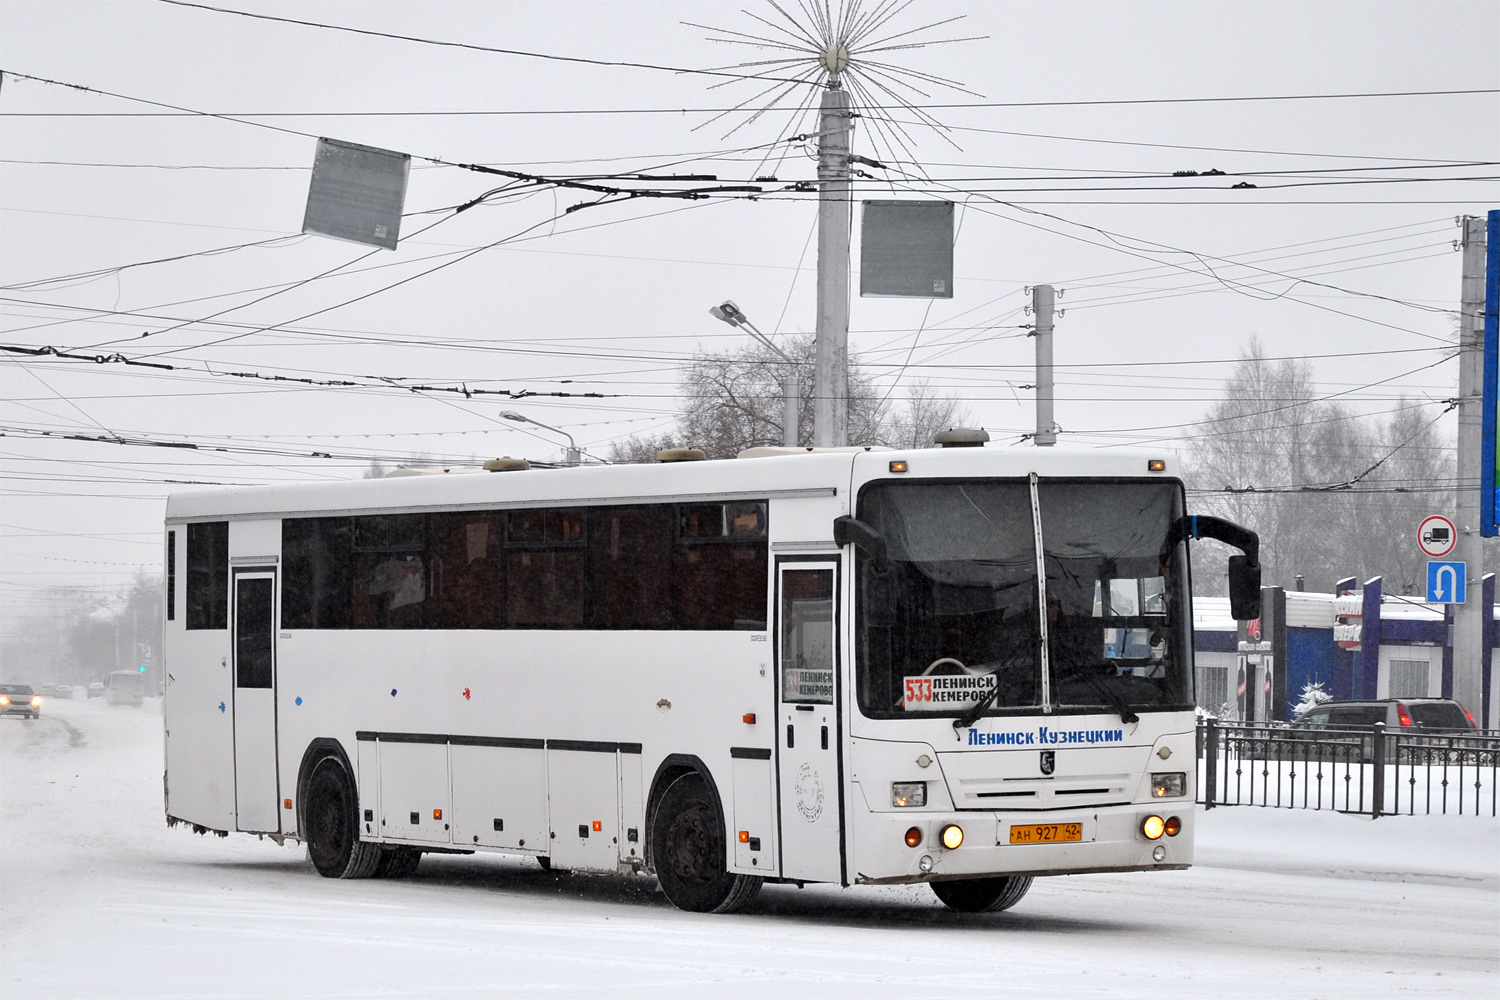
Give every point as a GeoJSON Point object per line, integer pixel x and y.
{"type": "Point", "coordinates": [1447, 582]}
{"type": "Point", "coordinates": [1436, 536]}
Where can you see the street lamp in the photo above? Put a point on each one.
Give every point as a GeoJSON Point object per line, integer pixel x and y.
{"type": "Point", "coordinates": [573, 453]}
{"type": "Point", "coordinates": [730, 313]}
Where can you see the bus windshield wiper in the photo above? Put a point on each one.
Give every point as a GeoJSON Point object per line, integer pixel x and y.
{"type": "Point", "coordinates": [979, 707]}
{"type": "Point", "coordinates": [1109, 694]}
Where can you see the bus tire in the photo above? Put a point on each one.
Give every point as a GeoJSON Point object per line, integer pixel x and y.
{"type": "Point", "coordinates": [980, 894]}
{"type": "Point", "coordinates": [398, 862]}
{"type": "Point", "coordinates": [332, 825]}
{"type": "Point", "coordinates": [689, 849]}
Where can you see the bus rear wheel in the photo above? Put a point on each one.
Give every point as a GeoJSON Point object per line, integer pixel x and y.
{"type": "Point", "coordinates": [977, 895]}
{"type": "Point", "coordinates": [689, 850]}
{"type": "Point", "coordinates": [333, 825]}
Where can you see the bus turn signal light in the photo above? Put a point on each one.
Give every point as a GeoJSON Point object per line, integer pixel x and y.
{"type": "Point", "coordinates": [914, 837]}
{"type": "Point", "coordinates": [744, 836]}
{"type": "Point", "coordinates": [598, 825]}
{"type": "Point", "coordinates": [1156, 465]}
{"type": "Point", "coordinates": [437, 814]}
{"type": "Point", "coordinates": [898, 466]}
{"type": "Point", "coordinates": [1174, 826]}
{"type": "Point", "coordinates": [286, 803]}
{"type": "Point", "coordinates": [952, 837]}
{"type": "Point", "coordinates": [1152, 827]}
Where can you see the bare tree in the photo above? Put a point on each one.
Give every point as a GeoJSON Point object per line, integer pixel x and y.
{"type": "Point", "coordinates": [1331, 493]}
{"type": "Point", "coordinates": [733, 401]}
{"type": "Point", "coordinates": [927, 411]}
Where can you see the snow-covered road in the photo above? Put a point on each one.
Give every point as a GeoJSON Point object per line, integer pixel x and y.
{"type": "Point", "coordinates": [100, 899]}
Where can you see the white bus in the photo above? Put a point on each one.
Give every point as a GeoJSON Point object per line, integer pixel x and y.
{"type": "Point", "coordinates": [965, 666]}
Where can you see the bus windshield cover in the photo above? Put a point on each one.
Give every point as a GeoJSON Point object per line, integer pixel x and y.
{"type": "Point", "coordinates": [960, 620]}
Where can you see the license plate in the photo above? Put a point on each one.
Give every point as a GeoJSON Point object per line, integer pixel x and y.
{"type": "Point", "coordinates": [1046, 833]}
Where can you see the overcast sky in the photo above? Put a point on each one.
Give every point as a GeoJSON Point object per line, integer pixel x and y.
{"type": "Point", "coordinates": [1166, 280]}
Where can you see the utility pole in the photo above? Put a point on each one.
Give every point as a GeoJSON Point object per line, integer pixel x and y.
{"type": "Point", "coordinates": [1468, 618]}
{"type": "Point", "coordinates": [1042, 298]}
{"type": "Point", "coordinates": [831, 373]}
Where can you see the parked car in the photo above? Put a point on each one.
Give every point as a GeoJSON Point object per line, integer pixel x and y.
{"type": "Point", "coordinates": [124, 687]}
{"type": "Point", "coordinates": [1425, 727]}
{"type": "Point", "coordinates": [96, 689]}
{"type": "Point", "coordinates": [1435, 716]}
{"type": "Point", "coordinates": [19, 699]}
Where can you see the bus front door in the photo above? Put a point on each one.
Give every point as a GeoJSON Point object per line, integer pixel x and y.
{"type": "Point", "coordinates": [255, 781]}
{"type": "Point", "coordinates": [808, 731]}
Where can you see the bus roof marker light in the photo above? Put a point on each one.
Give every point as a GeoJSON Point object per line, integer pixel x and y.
{"type": "Point", "coordinates": [899, 465]}
{"type": "Point", "coordinates": [1152, 827]}
{"type": "Point", "coordinates": [1156, 465]}
{"type": "Point", "coordinates": [952, 836]}
{"type": "Point", "coordinates": [961, 437]}
{"type": "Point", "coordinates": [680, 455]}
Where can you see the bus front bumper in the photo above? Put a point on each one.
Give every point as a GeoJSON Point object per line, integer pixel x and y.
{"type": "Point", "coordinates": [1110, 839]}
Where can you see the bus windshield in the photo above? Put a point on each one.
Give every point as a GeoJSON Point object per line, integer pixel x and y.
{"type": "Point", "coordinates": [961, 621]}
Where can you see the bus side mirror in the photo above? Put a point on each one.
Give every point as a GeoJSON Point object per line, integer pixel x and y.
{"type": "Point", "coordinates": [1244, 589]}
{"type": "Point", "coordinates": [878, 596]}
{"type": "Point", "coordinates": [877, 579]}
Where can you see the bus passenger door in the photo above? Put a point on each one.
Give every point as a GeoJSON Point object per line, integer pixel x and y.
{"type": "Point", "coordinates": [808, 723]}
{"type": "Point", "coordinates": [255, 781]}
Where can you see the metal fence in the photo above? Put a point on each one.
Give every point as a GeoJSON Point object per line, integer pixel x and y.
{"type": "Point", "coordinates": [1363, 770]}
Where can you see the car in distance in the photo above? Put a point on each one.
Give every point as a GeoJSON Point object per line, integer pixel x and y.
{"type": "Point", "coordinates": [96, 689]}
{"type": "Point", "coordinates": [18, 699]}
{"type": "Point", "coordinates": [124, 687]}
{"type": "Point", "coordinates": [1425, 727]}
{"type": "Point", "coordinates": [1422, 716]}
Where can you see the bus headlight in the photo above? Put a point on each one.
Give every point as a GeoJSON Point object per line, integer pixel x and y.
{"type": "Point", "coordinates": [952, 837]}
{"type": "Point", "coordinates": [908, 794]}
{"type": "Point", "coordinates": [1167, 786]}
{"type": "Point", "coordinates": [1152, 827]}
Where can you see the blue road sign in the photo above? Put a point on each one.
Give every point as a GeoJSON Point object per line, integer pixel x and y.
{"type": "Point", "coordinates": [1447, 582]}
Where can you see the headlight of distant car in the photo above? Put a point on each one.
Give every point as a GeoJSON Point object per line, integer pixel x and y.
{"type": "Point", "coordinates": [1166, 786]}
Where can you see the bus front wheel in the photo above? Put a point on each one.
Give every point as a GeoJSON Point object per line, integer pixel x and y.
{"type": "Point", "coordinates": [398, 862]}
{"type": "Point", "coordinates": [980, 894]}
{"type": "Point", "coordinates": [333, 825]}
{"type": "Point", "coordinates": [688, 848]}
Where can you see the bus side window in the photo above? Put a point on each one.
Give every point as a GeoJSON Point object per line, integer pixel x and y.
{"type": "Point", "coordinates": [208, 575]}
{"type": "Point", "coordinates": [630, 567]}
{"type": "Point", "coordinates": [468, 581]}
{"type": "Point", "coordinates": [546, 568]}
{"type": "Point", "coordinates": [390, 571]}
{"type": "Point", "coordinates": [316, 584]}
{"type": "Point", "coordinates": [719, 566]}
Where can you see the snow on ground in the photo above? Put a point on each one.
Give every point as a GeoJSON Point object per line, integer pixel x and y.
{"type": "Point", "coordinates": [100, 899]}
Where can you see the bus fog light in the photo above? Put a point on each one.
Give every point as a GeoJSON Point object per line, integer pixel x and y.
{"type": "Point", "coordinates": [1152, 827]}
{"type": "Point", "coordinates": [925, 863]}
{"type": "Point", "coordinates": [1174, 826]}
{"type": "Point", "coordinates": [952, 836]}
{"type": "Point", "coordinates": [1159, 853]}
{"type": "Point", "coordinates": [1166, 786]}
{"type": "Point", "coordinates": [907, 794]}
{"type": "Point", "coordinates": [914, 837]}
